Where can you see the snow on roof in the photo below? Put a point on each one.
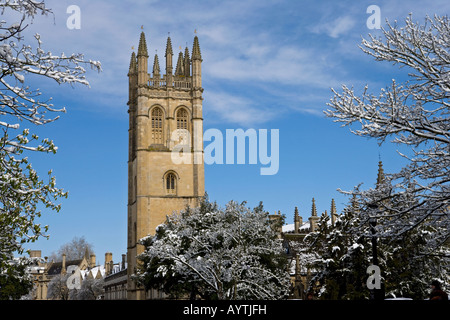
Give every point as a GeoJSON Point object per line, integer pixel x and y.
{"type": "Point", "coordinates": [36, 269]}
{"type": "Point", "coordinates": [290, 227]}
{"type": "Point", "coordinates": [93, 271]}
{"type": "Point", "coordinates": [287, 228]}
{"type": "Point", "coordinates": [118, 267]}
{"type": "Point", "coordinates": [98, 269]}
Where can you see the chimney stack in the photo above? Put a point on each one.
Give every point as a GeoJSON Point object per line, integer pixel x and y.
{"type": "Point", "coordinates": [108, 263]}
{"type": "Point", "coordinates": [124, 258]}
{"type": "Point", "coordinates": [35, 253]}
{"type": "Point", "coordinates": [92, 261]}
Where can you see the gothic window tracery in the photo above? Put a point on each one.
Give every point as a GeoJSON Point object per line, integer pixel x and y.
{"type": "Point", "coordinates": [182, 118]}
{"type": "Point", "coordinates": [157, 126]}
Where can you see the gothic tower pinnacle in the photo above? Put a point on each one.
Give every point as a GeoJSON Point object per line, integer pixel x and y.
{"type": "Point", "coordinates": [142, 61]}
{"type": "Point", "coordinates": [156, 69]}
{"type": "Point", "coordinates": [313, 218]}
{"type": "Point", "coordinates": [333, 212]}
{"type": "Point", "coordinates": [380, 176]}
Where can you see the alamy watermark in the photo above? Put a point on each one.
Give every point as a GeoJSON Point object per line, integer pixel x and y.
{"type": "Point", "coordinates": [74, 20]}
{"type": "Point", "coordinates": [374, 20]}
{"type": "Point", "coordinates": [233, 145]}
{"type": "Point", "coordinates": [374, 280]}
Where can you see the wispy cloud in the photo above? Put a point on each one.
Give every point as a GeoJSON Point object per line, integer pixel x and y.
{"type": "Point", "coordinates": [235, 109]}
{"type": "Point", "coordinates": [253, 51]}
{"type": "Point", "coordinates": [236, 54]}
{"type": "Point", "coordinates": [335, 28]}
{"type": "Point", "coordinates": [278, 65]}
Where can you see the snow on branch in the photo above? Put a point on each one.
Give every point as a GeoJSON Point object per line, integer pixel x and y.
{"type": "Point", "coordinates": [414, 114]}
{"type": "Point", "coordinates": [22, 193]}
{"type": "Point", "coordinates": [216, 254]}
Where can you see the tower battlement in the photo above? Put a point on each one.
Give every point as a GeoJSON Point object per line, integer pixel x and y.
{"type": "Point", "coordinates": [187, 74]}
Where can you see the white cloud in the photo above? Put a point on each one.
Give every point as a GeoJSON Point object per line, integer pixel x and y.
{"type": "Point", "coordinates": [288, 65]}
{"type": "Point", "coordinates": [239, 49]}
{"type": "Point", "coordinates": [335, 28]}
{"type": "Point", "coordinates": [341, 26]}
{"type": "Point", "coordinates": [235, 109]}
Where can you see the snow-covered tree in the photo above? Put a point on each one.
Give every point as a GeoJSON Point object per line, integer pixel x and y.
{"type": "Point", "coordinates": [344, 251]}
{"type": "Point", "coordinates": [415, 114]}
{"type": "Point", "coordinates": [57, 287]}
{"type": "Point", "coordinates": [22, 193]}
{"type": "Point", "coordinates": [341, 258]}
{"type": "Point", "coordinates": [90, 289]}
{"type": "Point", "coordinates": [16, 282]}
{"type": "Point", "coordinates": [214, 253]}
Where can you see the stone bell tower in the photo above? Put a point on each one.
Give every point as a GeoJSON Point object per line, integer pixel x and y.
{"type": "Point", "coordinates": [165, 163]}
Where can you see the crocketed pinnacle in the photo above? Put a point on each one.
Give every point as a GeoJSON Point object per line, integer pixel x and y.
{"type": "Point", "coordinates": [380, 177]}
{"type": "Point", "coordinates": [186, 54]}
{"type": "Point", "coordinates": [133, 64]}
{"type": "Point", "coordinates": [296, 217]}
{"type": "Point", "coordinates": [179, 70]}
{"type": "Point", "coordinates": [142, 50]}
{"type": "Point", "coordinates": [196, 54]}
{"type": "Point", "coordinates": [156, 69]}
{"type": "Point", "coordinates": [333, 207]}
{"type": "Point", "coordinates": [169, 47]}
{"type": "Point", "coordinates": [187, 62]}
{"type": "Point", "coordinates": [313, 209]}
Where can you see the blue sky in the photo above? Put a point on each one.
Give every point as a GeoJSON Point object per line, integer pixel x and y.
{"type": "Point", "coordinates": [266, 65]}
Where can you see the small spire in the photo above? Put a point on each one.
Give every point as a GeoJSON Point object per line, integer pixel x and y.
{"type": "Point", "coordinates": [156, 69]}
{"type": "Point", "coordinates": [187, 63]}
{"type": "Point", "coordinates": [179, 70]}
{"type": "Point", "coordinates": [333, 212]}
{"type": "Point", "coordinates": [133, 63]}
{"type": "Point", "coordinates": [296, 221]}
{"type": "Point", "coordinates": [169, 47]}
{"type": "Point", "coordinates": [380, 177]}
{"type": "Point", "coordinates": [313, 209]}
{"type": "Point", "coordinates": [355, 204]}
{"type": "Point", "coordinates": [142, 49]}
{"type": "Point", "coordinates": [196, 54]}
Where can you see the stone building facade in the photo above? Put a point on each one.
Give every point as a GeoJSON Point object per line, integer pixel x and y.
{"type": "Point", "coordinates": [299, 273]}
{"type": "Point", "coordinates": [165, 163]}
{"type": "Point", "coordinates": [44, 271]}
{"type": "Point", "coordinates": [116, 278]}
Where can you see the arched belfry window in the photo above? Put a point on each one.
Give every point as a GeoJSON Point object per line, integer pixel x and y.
{"type": "Point", "coordinates": [171, 183]}
{"type": "Point", "coordinates": [157, 125]}
{"type": "Point", "coordinates": [182, 119]}
{"type": "Point", "coordinates": [183, 126]}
